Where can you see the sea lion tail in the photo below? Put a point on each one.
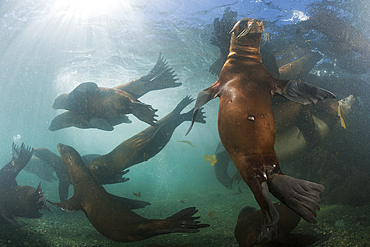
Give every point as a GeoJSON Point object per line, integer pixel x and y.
{"type": "Point", "coordinates": [182, 221]}
{"type": "Point", "coordinates": [301, 196]}
{"type": "Point", "coordinates": [301, 92]}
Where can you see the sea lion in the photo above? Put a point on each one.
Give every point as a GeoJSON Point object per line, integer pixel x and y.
{"type": "Point", "coordinates": [99, 104]}
{"type": "Point", "coordinates": [160, 77]}
{"type": "Point", "coordinates": [57, 164]}
{"type": "Point", "coordinates": [293, 136]}
{"type": "Point", "coordinates": [19, 201]}
{"type": "Point", "coordinates": [246, 126]}
{"type": "Point", "coordinates": [40, 168]}
{"type": "Point", "coordinates": [249, 227]}
{"type": "Point", "coordinates": [107, 215]}
{"type": "Point", "coordinates": [144, 145]}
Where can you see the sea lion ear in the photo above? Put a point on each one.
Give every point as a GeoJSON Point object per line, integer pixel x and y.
{"type": "Point", "coordinates": [303, 93]}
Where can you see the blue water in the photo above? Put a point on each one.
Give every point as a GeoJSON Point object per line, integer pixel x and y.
{"type": "Point", "coordinates": [50, 47]}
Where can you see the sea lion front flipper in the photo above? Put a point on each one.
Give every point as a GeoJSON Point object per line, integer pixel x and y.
{"type": "Point", "coordinates": [306, 239]}
{"type": "Point", "coordinates": [301, 196]}
{"type": "Point", "coordinates": [301, 92]}
{"type": "Point", "coordinates": [100, 123]}
{"type": "Point", "coordinates": [72, 205]}
{"type": "Point", "coordinates": [130, 203]}
{"type": "Point", "coordinates": [144, 112]}
{"type": "Point", "coordinates": [202, 99]}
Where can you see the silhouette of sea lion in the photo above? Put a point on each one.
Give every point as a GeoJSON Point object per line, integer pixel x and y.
{"type": "Point", "coordinates": [19, 201]}
{"type": "Point", "coordinates": [108, 215]}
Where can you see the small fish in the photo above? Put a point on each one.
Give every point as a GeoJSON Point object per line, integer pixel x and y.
{"type": "Point", "coordinates": [181, 201]}
{"type": "Point", "coordinates": [341, 118]}
{"type": "Point", "coordinates": [211, 214]}
{"type": "Point", "coordinates": [187, 167]}
{"type": "Point", "coordinates": [209, 158]}
{"type": "Point", "coordinates": [137, 194]}
{"type": "Point", "coordinates": [188, 142]}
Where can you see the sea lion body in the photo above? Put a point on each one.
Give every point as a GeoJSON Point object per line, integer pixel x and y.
{"type": "Point", "coordinates": [108, 215]}
{"type": "Point", "coordinates": [142, 146]}
{"type": "Point", "coordinates": [19, 201]}
{"type": "Point", "coordinates": [103, 108]}
{"type": "Point", "coordinates": [247, 130]}
{"type": "Point", "coordinates": [248, 229]}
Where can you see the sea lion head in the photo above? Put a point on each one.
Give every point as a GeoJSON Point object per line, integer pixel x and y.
{"type": "Point", "coordinates": [60, 102]}
{"type": "Point", "coordinates": [246, 32]}
{"type": "Point", "coordinates": [345, 105]}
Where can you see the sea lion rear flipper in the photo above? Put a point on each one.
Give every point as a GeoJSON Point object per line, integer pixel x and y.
{"type": "Point", "coordinates": [144, 112]}
{"type": "Point", "coordinates": [301, 196]}
{"type": "Point", "coordinates": [182, 221]}
{"type": "Point", "coordinates": [202, 99]}
{"type": "Point", "coordinates": [130, 203]}
{"type": "Point", "coordinates": [270, 216]}
{"type": "Point", "coordinates": [101, 123]}
{"type": "Point", "coordinates": [71, 205]}
{"type": "Point", "coordinates": [301, 92]}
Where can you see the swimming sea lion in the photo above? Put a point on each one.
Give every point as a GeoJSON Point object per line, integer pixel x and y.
{"type": "Point", "coordinates": [249, 227]}
{"type": "Point", "coordinates": [40, 169]}
{"type": "Point", "coordinates": [142, 146]}
{"type": "Point", "coordinates": [160, 77]}
{"type": "Point", "coordinates": [19, 201]}
{"type": "Point", "coordinates": [246, 126]}
{"type": "Point", "coordinates": [108, 215]}
{"type": "Point", "coordinates": [57, 164]}
{"type": "Point", "coordinates": [98, 105]}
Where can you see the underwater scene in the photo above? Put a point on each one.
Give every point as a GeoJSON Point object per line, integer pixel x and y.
{"type": "Point", "coordinates": [184, 123]}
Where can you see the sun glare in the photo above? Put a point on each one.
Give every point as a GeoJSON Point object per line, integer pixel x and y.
{"type": "Point", "coordinates": [84, 9]}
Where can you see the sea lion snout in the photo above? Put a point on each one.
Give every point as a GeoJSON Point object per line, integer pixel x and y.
{"type": "Point", "coordinates": [246, 26]}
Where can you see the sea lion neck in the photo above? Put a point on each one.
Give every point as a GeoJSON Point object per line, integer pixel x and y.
{"type": "Point", "coordinates": [246, 49]}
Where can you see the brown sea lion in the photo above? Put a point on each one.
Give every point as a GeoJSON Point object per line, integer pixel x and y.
{"type": "Point", "coordinates": [246, 126]}
{"type": "Point", "coordinates": [57, 164]}
{"type": "Point", "coordinates": [160, 77]}
{"type": "Point", "coordinates": [108, 215]}
{"type": "Point", "coordinates": [299, 67]}
{"type": "Point", "coordinates": [40, 168]}
{"type": "Point", "coordinates": [142, 146]}
{"type": "Point", "coordinates": [248, 229]}
{"type": "Point", "coordinates": [98, 105]}
{"type": "Point", "coordinates": [19, 201]}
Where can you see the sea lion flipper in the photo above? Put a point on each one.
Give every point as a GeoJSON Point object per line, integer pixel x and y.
{"type": "Point", "coordinates": [303, 93]}
{"type": "Point", "coordinates": [71, 205]}
{"type": "Point", "coordinates": [101, 123]}
{"type": "Point", "coordinates": [144, 112]}
{"type": "Point", "coordinates": [202, 99]}
{"type": "Point", "coordinates": [301, 196]}
{"type": "Point", "coordinates": [130, 203]}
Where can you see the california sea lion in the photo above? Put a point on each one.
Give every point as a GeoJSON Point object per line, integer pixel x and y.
{"type": "Point", "coordinates": [19, 201]}
{"type": "Point", "coordinates": [144, 145]}
{"type": "Point", "coordinates": [99, 104]}
{"type": "Point", "coordinates": [249, 227]}
{"type": "Point", "coordinates": [57, 164]}
{"type": "Point", "coordinates": [160, 77]}
{"type": "Point", "coordinates": [247, 128]}
{"type": "Point", "coordinates": [40, 169]}
{"type": "Point", "coordinates": [108, 215]}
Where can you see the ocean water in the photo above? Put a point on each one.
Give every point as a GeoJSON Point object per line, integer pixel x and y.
{"type": "Point", "coordinates": [48, 47]}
